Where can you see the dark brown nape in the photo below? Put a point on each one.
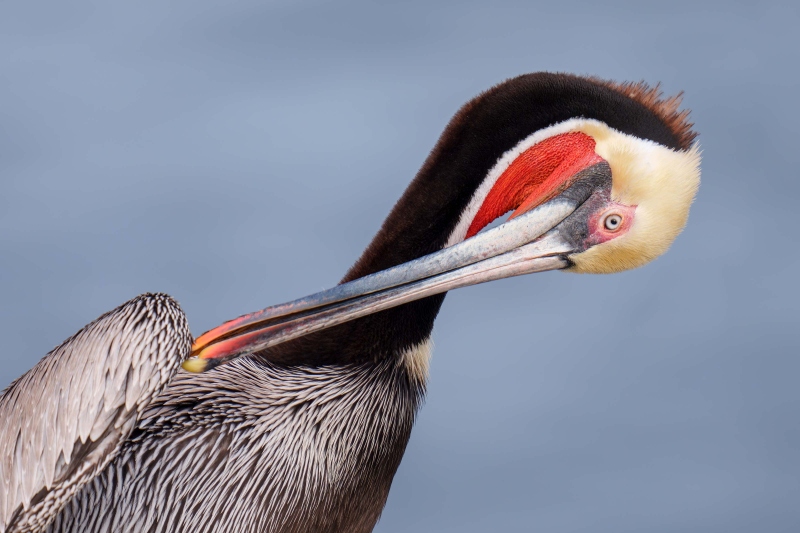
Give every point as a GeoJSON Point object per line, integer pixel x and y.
{"type": "Point", "coordinates": [478, 135]}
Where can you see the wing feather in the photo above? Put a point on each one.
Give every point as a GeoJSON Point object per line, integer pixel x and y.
{"type": "Point", "coordinates": [64, 420]}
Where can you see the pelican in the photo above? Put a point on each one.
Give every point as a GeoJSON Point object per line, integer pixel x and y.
{"type": "Point", "coordinates": [295, 418]}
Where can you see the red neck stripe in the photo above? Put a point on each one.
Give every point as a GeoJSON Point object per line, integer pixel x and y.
{"type": "Point", "coordinates": [539, 174]}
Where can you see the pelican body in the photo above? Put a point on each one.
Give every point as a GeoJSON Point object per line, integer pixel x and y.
{"type": "Point", "coordinates": [295, 418]}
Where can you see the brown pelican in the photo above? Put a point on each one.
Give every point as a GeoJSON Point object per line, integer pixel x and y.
{"type": "Point", "coordinates": [304, 427]}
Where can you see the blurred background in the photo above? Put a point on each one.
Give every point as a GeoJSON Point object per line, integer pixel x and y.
{"type": "Point", "coordinates": [242, 153]}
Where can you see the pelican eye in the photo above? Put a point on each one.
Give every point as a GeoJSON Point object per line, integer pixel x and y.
{"type": "Point", "coordinates": [613, 222]}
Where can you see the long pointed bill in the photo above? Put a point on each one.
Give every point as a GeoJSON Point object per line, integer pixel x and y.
{"type": "Point", "coordinates": [525, 244]}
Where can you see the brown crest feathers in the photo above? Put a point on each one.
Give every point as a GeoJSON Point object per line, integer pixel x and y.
{"type": "Point", "coordinates": [667, 109]}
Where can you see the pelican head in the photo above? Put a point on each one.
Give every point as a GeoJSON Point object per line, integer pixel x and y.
{"type": "Point", "coordinates": [598, 178]}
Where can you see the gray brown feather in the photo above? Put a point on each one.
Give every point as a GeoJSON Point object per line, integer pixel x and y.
{"type": "Point", "coordinates": [256, 447]}
{"type": "Point", "coordinates": [66, 419]}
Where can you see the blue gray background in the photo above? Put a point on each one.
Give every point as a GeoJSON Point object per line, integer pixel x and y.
{"type": "Point", "coordinates": [239, 154]}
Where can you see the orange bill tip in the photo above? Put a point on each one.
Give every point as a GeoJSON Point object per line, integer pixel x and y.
{"type": "Point", "coordinates": [195, 365]}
